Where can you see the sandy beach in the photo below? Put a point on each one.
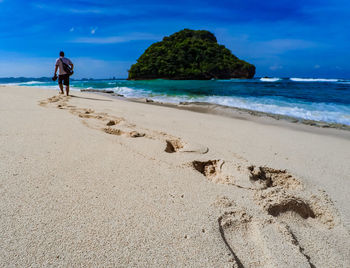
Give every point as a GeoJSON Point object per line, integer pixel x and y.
{"type": "Point", "coordinates": [93, 181]}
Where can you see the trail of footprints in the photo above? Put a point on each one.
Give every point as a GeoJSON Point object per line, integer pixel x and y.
{"type": "Point", "coordinates": [289, 217]}
{"type": "Point", "coordinates": [120, 127]}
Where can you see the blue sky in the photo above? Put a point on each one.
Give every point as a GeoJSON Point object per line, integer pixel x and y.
{"type": "Point", "coordinates": [285, 38]}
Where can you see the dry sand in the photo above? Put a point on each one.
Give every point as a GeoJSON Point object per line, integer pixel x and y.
{"type": "Point", "coordinates": [88, 181]}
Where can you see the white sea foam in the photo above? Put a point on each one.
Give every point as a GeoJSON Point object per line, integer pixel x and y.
{"type": "Point", "coordinates": [311, 111]}
{"type": "Point", "coordinates": [23, 83]}
{"type": "Point", "coordinates": [10, 84]}
{"type": "Point", "coordinates": [130, 92]}
{"type": "Point", "coordinates": [313, 79]}
{"type": "Point", "coordinates": [326, 112]}
{"type": "Point", "coordinates": [270, 79]}
{"type": "Point", "coordinates": [31, 83]}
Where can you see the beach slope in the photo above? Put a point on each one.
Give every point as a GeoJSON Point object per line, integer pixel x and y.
{"type": "Point", "coordinates": [88, 180]}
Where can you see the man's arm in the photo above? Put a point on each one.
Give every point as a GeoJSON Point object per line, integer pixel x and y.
{"type": "Point", "coordinates": [56, 67]}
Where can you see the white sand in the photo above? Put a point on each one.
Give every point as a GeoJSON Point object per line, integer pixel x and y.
{"type": "Point", "coordinates": [72, 195]}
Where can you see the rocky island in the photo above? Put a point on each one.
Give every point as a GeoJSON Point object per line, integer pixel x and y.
{"type": "Point", "coordinates": [190, 55]}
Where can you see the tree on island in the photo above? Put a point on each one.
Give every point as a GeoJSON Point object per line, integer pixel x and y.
{"type": "Point", "coordinates": [190, 55]}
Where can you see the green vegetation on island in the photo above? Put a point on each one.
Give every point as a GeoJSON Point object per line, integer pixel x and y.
{"type": "Point", "coordinates": [190, 55]}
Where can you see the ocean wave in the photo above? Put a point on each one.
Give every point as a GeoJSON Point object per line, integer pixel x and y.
{"type": "Point", "coordinates": [10, 84]}
{"type": "Point", "coordinates": [313, 80]}
{"type": "Point", "coordinates": [310, 111]}
{"type": "Point", "coordinates": [288, 104]}
{"type": "Point", "coordinates": [32, 83]}
{"type": "Point", "coordinates": [130, 92]}
{"type": "Point", "coordinates": [270, 79]}
{"type": "Point", "coordinates": [325, 112]}
{"type": "Point", "coordinates": [23, 83]}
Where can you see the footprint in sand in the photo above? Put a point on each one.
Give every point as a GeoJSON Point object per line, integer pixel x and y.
{"type": "Point", "coordinates": [135, 134]}
{"type": "Point", "coordinates": [61, 99]}
{"type": "Point", "coordinates": [250, 178]}
{"type": "Point", "coordinates": [212, 170]}
{"type": "Point", "coordinates": [278, 201]}
{"type": "Point", "coordinates": [259, 242]}
{"type": "Point", "coordinates": [302, 227]}
{"type": "Point", "coordinates": [313, 222]}
{"type": "Point", "coordinates": [113, 131]}
{"type": "Point", "coordinates": [113, 122]}
{"type": "Point", "coordinates": [118, 132]}
{"type": "Point", "coordinates": [268, 177]}
{"type": "Point", "coordinates": [222, 172]}
{"type": "Point", "coordinates": [176, 145]}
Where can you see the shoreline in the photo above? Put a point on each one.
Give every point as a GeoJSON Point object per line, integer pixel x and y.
{"type": "Point", "coordinates": [228, 111]}
{"type": "Point", "coordinates": [219, 109]}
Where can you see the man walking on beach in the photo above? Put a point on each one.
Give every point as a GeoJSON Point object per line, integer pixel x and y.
{"type": "Point", "coordinates": [63, 63]}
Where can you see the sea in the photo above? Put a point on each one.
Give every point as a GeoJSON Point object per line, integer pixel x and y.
{"type": "Point", "coordinates": [318, 99]}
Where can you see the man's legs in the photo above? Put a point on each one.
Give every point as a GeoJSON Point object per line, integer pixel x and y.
{"type": "Point", "coordinates": [66, 83]}
{"type": "Point", "coordinates": [61, 88]}
{"type": "Point", "coordinates": [60, 83]}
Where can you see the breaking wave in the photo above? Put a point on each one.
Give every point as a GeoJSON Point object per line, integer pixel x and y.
{"type": "Point", "coordinates": [270, 79]}
{"type": "Point", "coordinates": [313, 80]}
{"type": "Point", "coordinates": [328, 101]}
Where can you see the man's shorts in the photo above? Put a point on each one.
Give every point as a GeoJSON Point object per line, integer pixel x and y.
{"type": "Point", "coordinates": [63, 78]}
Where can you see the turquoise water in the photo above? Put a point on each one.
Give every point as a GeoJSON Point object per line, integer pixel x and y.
{"type": "Point", "coordinates": [325, 100]}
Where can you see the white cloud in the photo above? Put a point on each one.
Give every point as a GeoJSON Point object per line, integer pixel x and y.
{"type": "Point", "coordinates": [82, 11]}
{"type": "Point", "coordinates": [116, 39]}
{"type": "Point", "coordinates": [93, 30]}
{"type": "Point", "coordinates": [59, 8]}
